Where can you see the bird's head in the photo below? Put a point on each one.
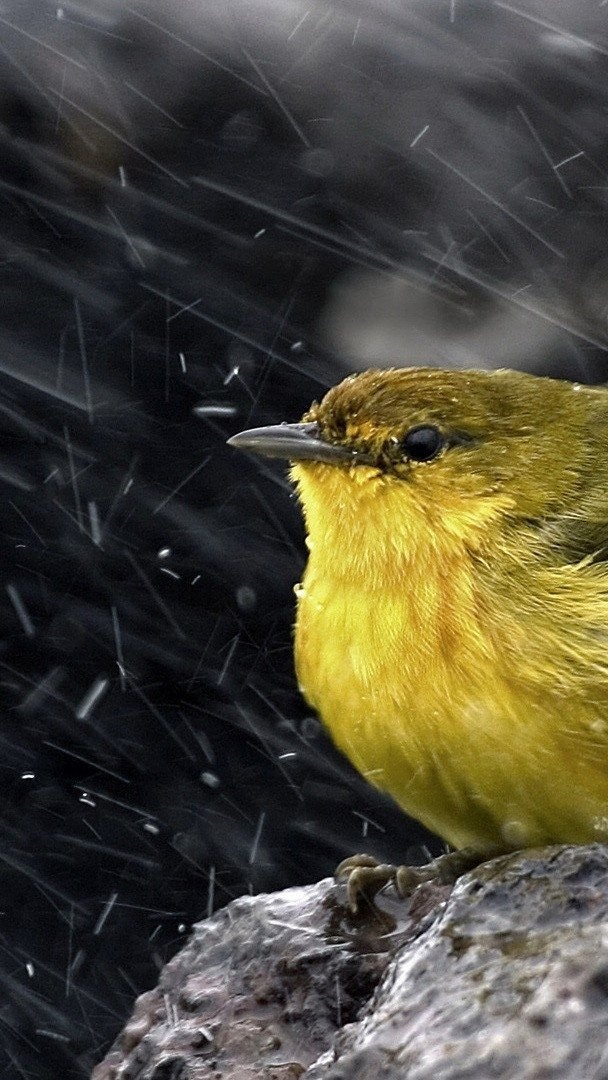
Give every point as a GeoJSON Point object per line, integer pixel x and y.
{"type": "Point", "coordinates": [449, 453]}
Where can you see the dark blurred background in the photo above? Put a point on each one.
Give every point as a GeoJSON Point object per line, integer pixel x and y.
{"type": "Point", "coordinates": [210, 214]}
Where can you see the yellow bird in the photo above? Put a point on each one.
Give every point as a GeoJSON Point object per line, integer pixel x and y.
{"type": "Point", "coordinates": [452, 622]}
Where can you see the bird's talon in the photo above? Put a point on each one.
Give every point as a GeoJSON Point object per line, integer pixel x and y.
{"type": "Point", "coordinates": [354, 862]}
{"type": "Point", "coordinates": [407, 879]}
{"type": "Point", "coordinates": [365, 876]}
{"type": "Point", "coordinates": [365, 882]}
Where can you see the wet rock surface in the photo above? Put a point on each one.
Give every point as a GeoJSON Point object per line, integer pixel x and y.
{"type": "Point", "coordinates": [261, 989]}
{"type": "Point", "coordinates": [506, 977]}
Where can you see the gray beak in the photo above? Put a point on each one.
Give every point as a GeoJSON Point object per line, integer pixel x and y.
{"type": "Point", "coordinates": [295, 442]}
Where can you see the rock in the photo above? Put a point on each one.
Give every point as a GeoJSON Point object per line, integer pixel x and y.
{"type": "Point", "coordinates": [261, 989]}
{"type": "Point", "coordinates": [507, 978]}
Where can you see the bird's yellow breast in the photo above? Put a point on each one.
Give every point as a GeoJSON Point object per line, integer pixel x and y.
{"type": "Point", "coordinates": [435, 689]}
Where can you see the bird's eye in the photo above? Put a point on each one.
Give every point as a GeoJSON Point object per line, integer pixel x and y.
{"type": "Point", "coordinates": [423, 443]}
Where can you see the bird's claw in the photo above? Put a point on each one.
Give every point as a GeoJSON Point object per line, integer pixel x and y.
{"type": "Point", "coordinates": [365, 876]}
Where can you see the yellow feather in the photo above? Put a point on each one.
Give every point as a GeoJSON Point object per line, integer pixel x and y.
{"type": "Point", "coordinates": [451, 629]}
